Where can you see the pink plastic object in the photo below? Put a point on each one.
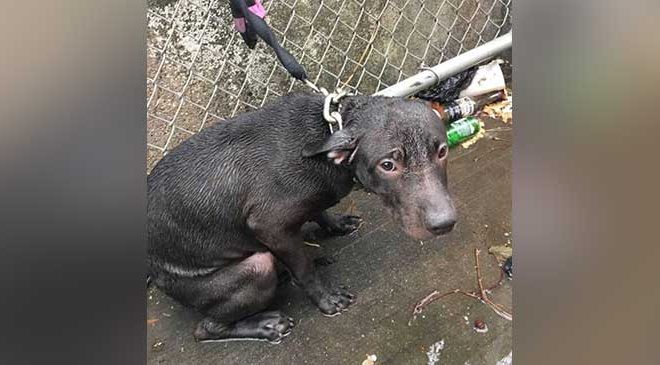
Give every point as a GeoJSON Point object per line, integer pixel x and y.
{"type": "Point", "coordinates": [256, 9]}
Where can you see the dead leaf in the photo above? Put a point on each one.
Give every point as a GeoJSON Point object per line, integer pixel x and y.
{"type": "Point", "coordinates": [502, 110]}
{"type": "Point", "coordinates": [501, 252]}
{"type": "Point", "coordinates": [152, 321]}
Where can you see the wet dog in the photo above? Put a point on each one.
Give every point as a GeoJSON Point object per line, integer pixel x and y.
{"type": "Point", "coordinates": [227, 204]}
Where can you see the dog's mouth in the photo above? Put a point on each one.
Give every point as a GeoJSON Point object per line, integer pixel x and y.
{"type": "Point", "coordinates": [416, 230]}
{"type": "Point", "coordinates": [442, 231]}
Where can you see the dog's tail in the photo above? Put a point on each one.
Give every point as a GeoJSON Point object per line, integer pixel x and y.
{"type": "Point", "coordinates": [260, 27]}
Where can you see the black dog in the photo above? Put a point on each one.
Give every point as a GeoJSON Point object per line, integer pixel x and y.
{"type": "Point", "coordinates": [229, 202]}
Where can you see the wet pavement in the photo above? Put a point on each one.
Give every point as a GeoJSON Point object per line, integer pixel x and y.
{"type": "Point", "coordinates": [389, 273]}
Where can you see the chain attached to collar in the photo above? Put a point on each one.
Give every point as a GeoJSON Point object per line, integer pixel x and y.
{"type": "Point", "coordinates": [331, 117]}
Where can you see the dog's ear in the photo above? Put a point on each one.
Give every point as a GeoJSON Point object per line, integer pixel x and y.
{"type": "Point", "coordinates": [339, 147]}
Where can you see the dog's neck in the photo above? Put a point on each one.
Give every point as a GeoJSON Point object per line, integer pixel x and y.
{"type": "Point", "coordinates": [350, 107]}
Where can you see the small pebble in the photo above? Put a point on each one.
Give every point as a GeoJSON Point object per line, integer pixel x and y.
{"type": "Point", "coordinates": [480, 326]}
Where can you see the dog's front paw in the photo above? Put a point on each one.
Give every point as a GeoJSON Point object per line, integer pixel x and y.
{"type": "Point", "coordinates": [335, 301]}
{"type": "Point", "coordinates": [340, 225]}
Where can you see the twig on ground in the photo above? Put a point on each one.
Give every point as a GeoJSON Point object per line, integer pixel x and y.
{"type": "Point", "coordinates": [482, 295]}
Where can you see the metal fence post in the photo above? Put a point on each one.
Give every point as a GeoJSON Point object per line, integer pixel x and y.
{"type": "Point", "coordinates": [428, 78]}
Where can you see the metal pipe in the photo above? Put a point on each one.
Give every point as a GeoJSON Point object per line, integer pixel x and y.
{"type": "Point", "coordinates": [463, 61]}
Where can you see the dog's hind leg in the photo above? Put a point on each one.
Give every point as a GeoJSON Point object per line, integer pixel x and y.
{"type": "Point", "coordinates": [233, 300]}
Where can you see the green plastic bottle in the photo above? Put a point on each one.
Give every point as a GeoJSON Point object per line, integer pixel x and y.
{"type": "Point", "coordinates": [462, 130]}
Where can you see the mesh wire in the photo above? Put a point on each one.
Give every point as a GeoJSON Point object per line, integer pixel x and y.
{"type": "Point", "coordinates": [199, 71]}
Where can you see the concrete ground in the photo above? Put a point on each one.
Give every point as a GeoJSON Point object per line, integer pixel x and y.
{"type": "Point", "coordinates": [389, 273]}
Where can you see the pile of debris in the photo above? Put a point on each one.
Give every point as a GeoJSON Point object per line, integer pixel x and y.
{"type": "Point", "coordinates": [460, 99]}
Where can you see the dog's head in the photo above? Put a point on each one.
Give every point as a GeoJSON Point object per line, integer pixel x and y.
{"type": "Point", "coordinates": [398, 149]}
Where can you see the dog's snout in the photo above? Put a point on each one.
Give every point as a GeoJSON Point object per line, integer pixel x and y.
{"type": "Point", "coordinates": [440, 222]}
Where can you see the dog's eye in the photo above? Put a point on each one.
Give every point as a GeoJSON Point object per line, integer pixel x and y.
{"type": "Point", "coordinates": [387, 165]}
{"type": "Point", "coordinates": [442, 152]}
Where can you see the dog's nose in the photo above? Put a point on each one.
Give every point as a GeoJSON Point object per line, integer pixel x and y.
{"type": "Point", "coordinates": [440, 223]}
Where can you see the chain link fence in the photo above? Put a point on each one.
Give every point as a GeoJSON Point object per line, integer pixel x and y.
{"type": "Point", "coordinates": [200, 72]}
